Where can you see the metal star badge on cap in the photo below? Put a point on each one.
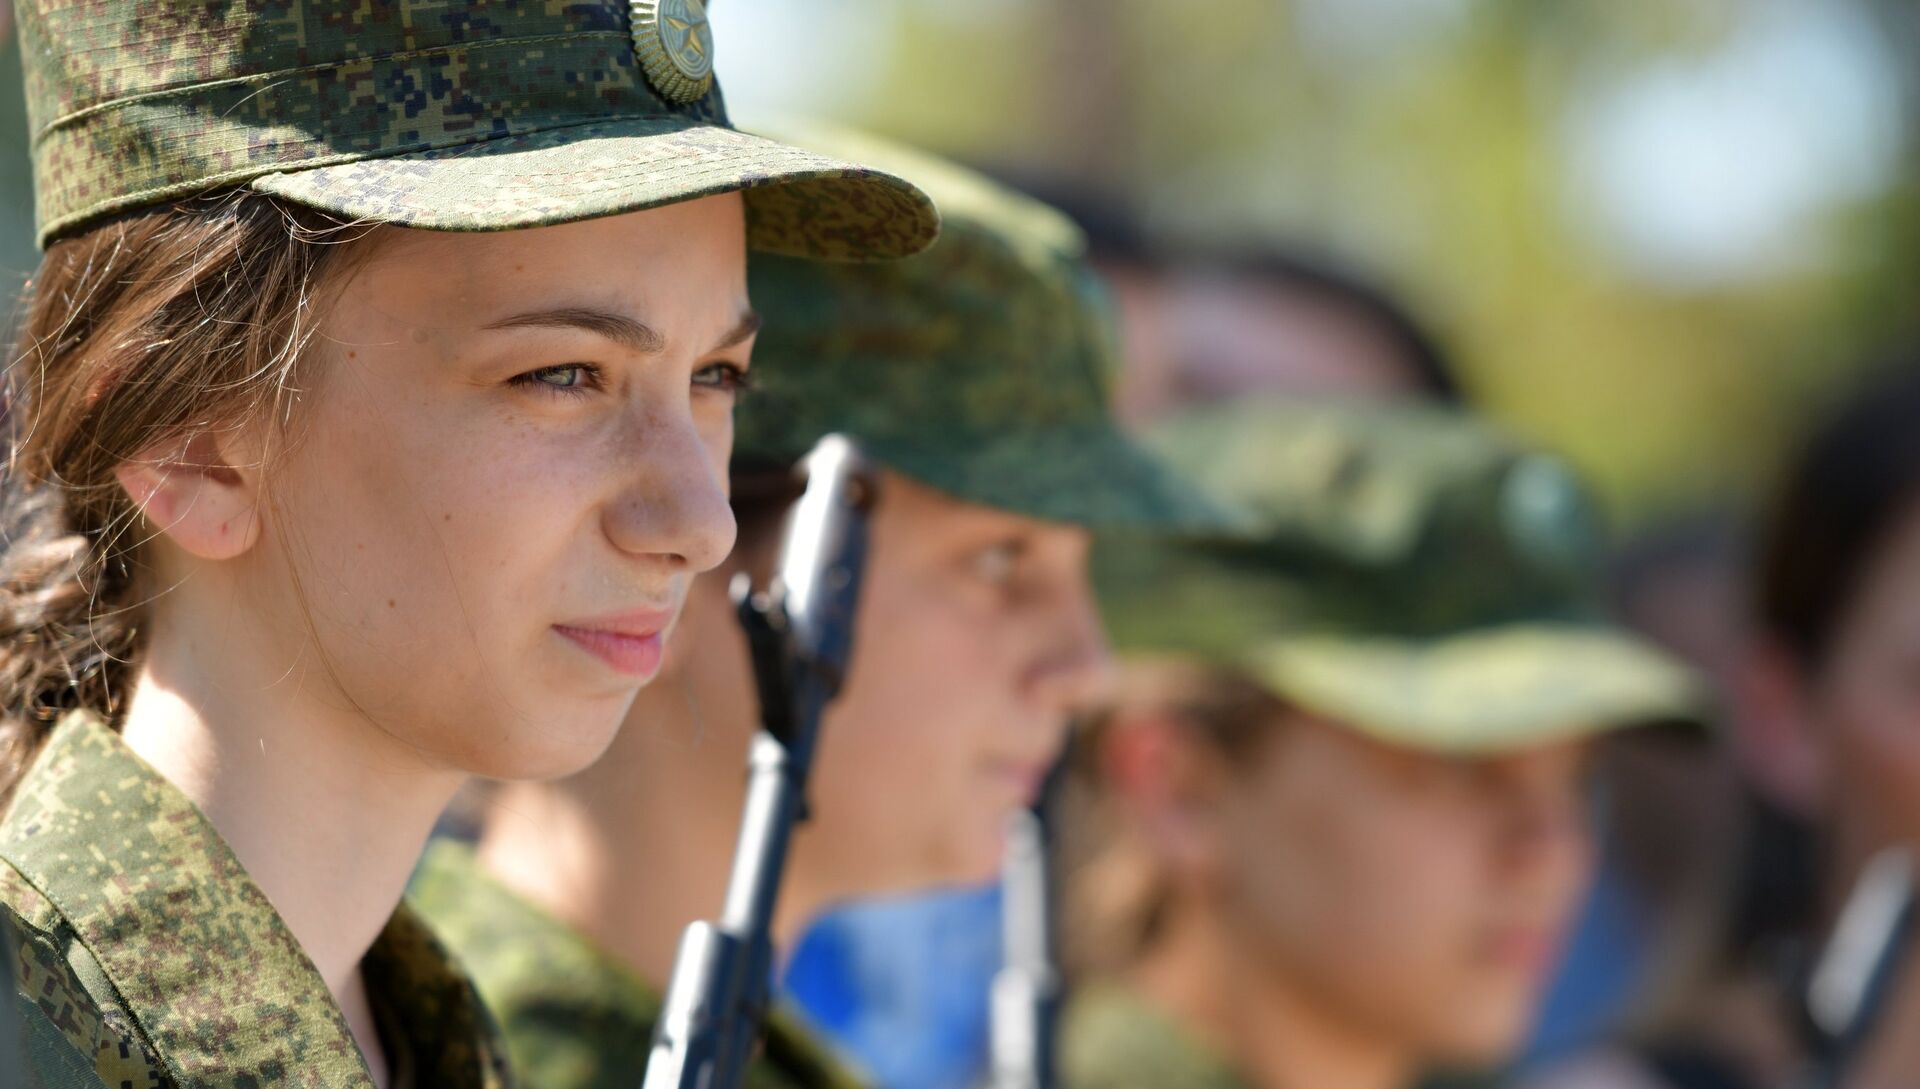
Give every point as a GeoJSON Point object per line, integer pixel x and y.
{"type": "Point", "coordinates": [675, 45]}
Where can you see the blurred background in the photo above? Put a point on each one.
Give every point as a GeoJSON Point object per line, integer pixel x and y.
{"type": "Point", "coordinates": [1655, 235]}
{"type": "Point", "coordinates": [1651, 230]}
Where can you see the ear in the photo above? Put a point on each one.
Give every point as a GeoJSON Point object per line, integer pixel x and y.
{"type": "Point", "coordinates": [194, 492]}
{"type": "Point", "coordinates": [1775, 742]}
{"type": "Point", "coordinates": [1169, 785]}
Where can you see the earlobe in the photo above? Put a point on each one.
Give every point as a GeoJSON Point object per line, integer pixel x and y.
{"type": "Point", "coordinates": [190, 493]}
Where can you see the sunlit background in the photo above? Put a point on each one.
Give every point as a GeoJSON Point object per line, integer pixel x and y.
{"type": "Point", "coordinates": [1657, 235]}
{"type": "Point", "coordinates": [1653, 232]}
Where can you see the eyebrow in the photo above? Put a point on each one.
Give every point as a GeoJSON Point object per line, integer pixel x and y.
{"type": "Point", "coordinates": [619, 328]}
{"type": "Point", "coordinates": [748, 325]}
{"type": "Point", "coordinates": [639, 336]}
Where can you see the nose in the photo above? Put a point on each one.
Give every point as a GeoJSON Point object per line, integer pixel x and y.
{"type": "Point", "coordinates": [1550, 837]}
{"type": "Point", "coordinates": [1075, 669]}
{"type": "Point", "coordinates": [672, 505]}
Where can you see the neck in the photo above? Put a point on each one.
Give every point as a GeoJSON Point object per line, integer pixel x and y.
{"type": "Point", "coordinates": [327, 813]}
{"type": "Point", "coordinates": [1273, 1035]}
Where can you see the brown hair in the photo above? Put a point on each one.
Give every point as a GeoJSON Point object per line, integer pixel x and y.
{"type": "Point", "coordinates": [160, 325]}
{"type": "Point", "coordinates": [1116, 892]}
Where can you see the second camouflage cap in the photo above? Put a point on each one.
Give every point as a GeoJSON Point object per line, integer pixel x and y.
{"type": "Point", "coordinates": [980, 367]}
{"type": "Point", "coordinates": [469, 115]}
{"type": "Point", "coordinates": [1415, 574]}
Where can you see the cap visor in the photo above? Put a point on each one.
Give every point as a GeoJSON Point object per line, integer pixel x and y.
{"type": "Point", "coordinates": [798, 202]}
{"type": "Point", "coordinates": [1487, 691]}
{"type": "Point", "coordinates": [1088, 475]}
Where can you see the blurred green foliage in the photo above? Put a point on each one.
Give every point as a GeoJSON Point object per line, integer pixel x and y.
{"type": "Point", "coordinates": [1426, 141]}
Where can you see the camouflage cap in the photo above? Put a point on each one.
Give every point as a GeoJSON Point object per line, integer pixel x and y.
{"type": "Point", "coordinates": [1415, 574]}
{"type": "Point", "coordinates": [467, 115]}
{"type": "Point", "coordinates": [980, 368]}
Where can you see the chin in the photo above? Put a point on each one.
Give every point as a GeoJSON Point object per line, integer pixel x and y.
{"type": "Point", "coordinates": [979, 862]}
{"type": "Point", "coordinates": [564, 742]}
{"type": "Point", "coordinates": [1491, 1040]}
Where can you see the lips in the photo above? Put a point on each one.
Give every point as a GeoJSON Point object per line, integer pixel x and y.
{"type": "Point", "coordinates": [631, 643]}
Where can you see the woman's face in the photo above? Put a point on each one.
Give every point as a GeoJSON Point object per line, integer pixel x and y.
{"type": "Point", "coordinates": [1419, 898]}
{"type": "Point", "coordinates": [1864, 706]}
{"type": "Point", "coordinates": [977, 640]}
{"type": "Point", "coordinates": [510, 462]}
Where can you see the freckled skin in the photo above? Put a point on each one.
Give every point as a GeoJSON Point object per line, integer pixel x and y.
{"type": "Point", "coordinates": [572, 504]}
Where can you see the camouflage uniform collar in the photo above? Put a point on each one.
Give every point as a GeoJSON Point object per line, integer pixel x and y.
{"type": "Point", "coordinates": [1115, 1039]}
{"type": "Point", "coordinates": [203, 963]}
{"type": "Point", "coordinates": [575, 1015]}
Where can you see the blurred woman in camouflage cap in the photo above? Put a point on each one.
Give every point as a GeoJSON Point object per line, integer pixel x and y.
{"type": "Point", "coordinates": [1334, 826]}
{"type": "Point", "coordinates": [975, 375]}
{"type": "Point", "coordinates": [371, 420]}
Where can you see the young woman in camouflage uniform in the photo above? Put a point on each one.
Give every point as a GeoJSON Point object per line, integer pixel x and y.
{"type": "Point", "coordinates": [1333, 828]}
{"type": "Point", "coordinates": [347, 463]}
{"type": "Point", "coordinates": [975, 376]}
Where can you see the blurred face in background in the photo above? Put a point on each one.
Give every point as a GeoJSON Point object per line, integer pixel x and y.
{"type": "Point", "coordinates": [1212, 335]}
{"type": "Point", "coordinates": [1863, 702]}
{"type": "Point", "coordinates": [1418, 900]}
{"type": "Point", "coordinates": [977, 640]}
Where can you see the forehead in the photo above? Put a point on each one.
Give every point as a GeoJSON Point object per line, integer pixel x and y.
{"type": "Point", "coordinates": [1242, 335]}
{"type": "Point", "coordinates": [1350, 753]}
{"type": "Point", "coordinates": [628, 258]}
{"type": "Point", "coordinates": [932, 518]}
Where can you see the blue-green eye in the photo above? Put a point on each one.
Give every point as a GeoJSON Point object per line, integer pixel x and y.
{"type": "Point", "coordinates": [565, 378]}
{"type": "Point", "coordinates": [728, 377]}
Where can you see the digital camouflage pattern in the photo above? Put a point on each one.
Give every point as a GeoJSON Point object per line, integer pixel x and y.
{"type": "Point", "coordinates": [574, 1017]}
{"type": "Point", "coordinates": [1412, 572]}
{"type": "Point", "coordinates": [443, 114]}
{"type": "Point", "coordinates": [161, 963]}
{"type": "Point", "coordinates": [1112, 1039]}
{"type": "Point", "coordinates": [980, 367]}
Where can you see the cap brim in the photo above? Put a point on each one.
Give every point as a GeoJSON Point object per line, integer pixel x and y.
{"type": "Point", "coordinates": [798, 202]}
{"type": "Point", "coordinates": [1088, 475]}
{"type": "Point", "coordinates": [1486, 691]}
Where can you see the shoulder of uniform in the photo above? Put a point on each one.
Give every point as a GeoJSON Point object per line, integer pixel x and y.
{"type": "Point", "coordinates": [796, 1057]}
{"type": "Point", "coordinates": [1113, 1038]}
{"type": "Point", "coordinates": [74, 1019]}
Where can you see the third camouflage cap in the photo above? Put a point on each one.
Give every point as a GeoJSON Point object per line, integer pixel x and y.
{"type": "Point", "coordinates": [981, 367]}
{"type": "Point", "coordinates": [1414, 573]}
{"type": "Point", "coordinates": [468, 115]}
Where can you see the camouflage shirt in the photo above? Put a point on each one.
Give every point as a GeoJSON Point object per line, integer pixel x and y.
{"type": "Point", "coordinates": [161, 964]}
{"type": "Point", "coordinates": [574, 1016]}
{"type": "Point", "coordinates": [1112, 1039]}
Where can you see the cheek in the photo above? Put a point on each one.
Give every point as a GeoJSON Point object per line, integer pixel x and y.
{"type": "Point", "coordinates": [433, 515]}
{"type": "Point", "coordinates": [902, 764]}
{"type": "Point", "coordinates": [432, 548]}
{"type": "Point", "coordinates": [713, 420]}
{"type": "Point", "coordinates": [926, 665]}
{"type": "Point", "coordinates": [1370, 885]}
{"type": "Point", "coordinates": [1875, 726]}
{"type": "Point", "coordinates": [906, 706]}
